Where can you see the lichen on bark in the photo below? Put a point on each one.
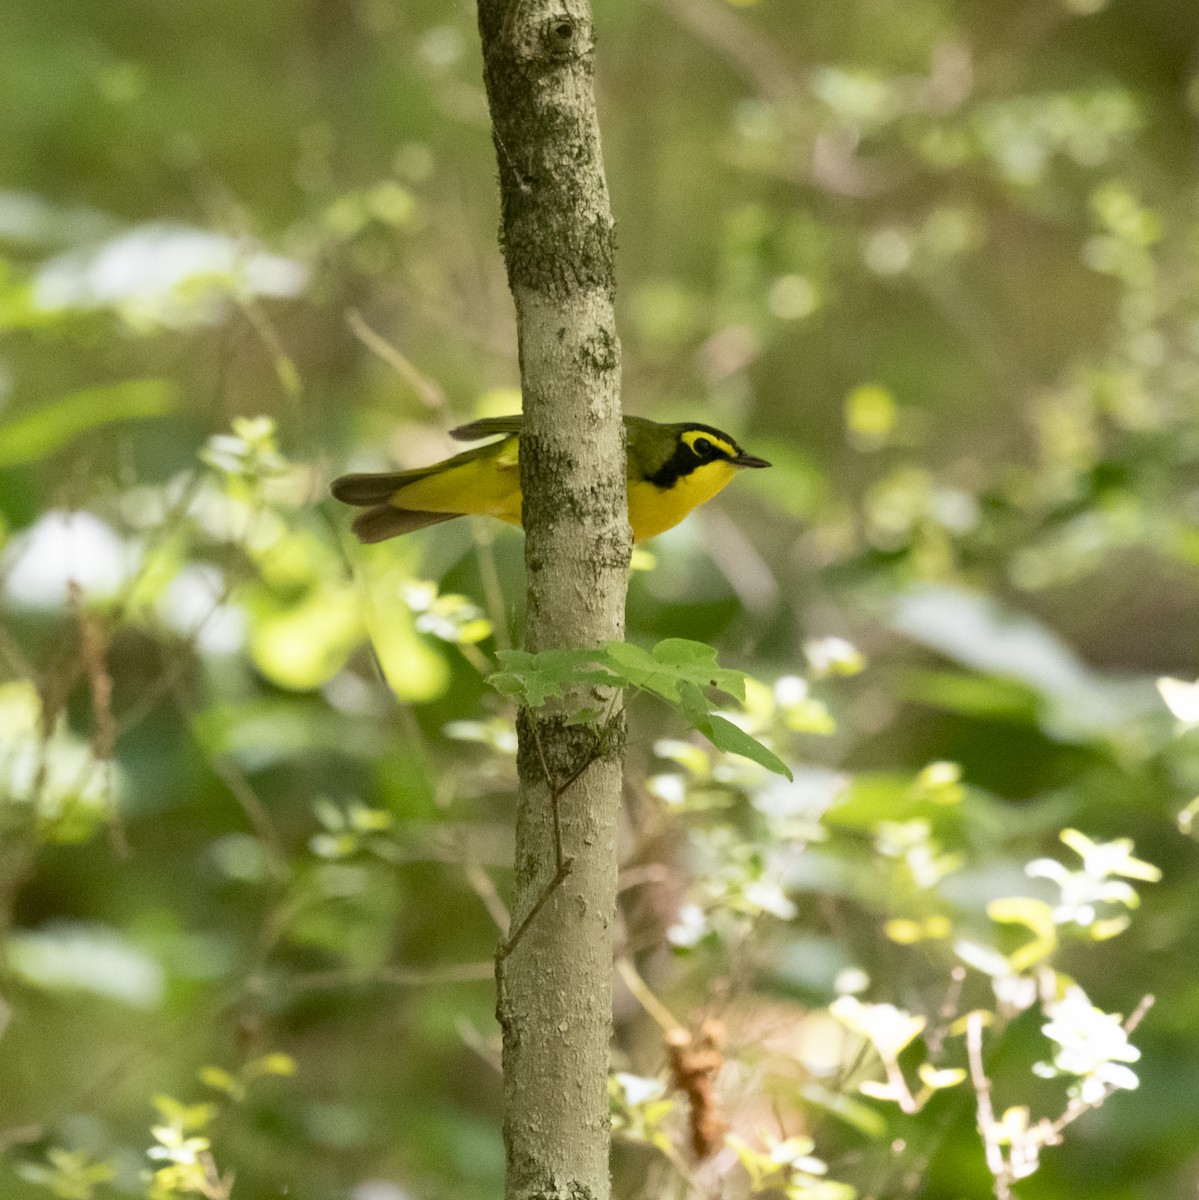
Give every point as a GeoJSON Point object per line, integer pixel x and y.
{"type": "Point", "coordinates": [557, 234]}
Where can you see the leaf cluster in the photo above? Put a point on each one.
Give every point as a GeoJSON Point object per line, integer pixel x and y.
{"type": "Point", "coordinates": [680, 672]}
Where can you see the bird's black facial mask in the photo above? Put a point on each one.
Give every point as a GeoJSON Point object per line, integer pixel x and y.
{"type": "Point", "coordinates": [697, 446]}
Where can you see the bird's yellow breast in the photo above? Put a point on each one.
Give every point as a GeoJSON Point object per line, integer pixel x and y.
{"type": "Point", "coordinates": [653, 509]}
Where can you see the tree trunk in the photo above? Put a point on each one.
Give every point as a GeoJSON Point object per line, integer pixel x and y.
{"type": "Point", "coordinates": [554, 974]}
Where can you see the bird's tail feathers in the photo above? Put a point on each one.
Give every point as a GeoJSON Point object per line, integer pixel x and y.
{"type": "Point", "coordinates": [373, 487]}
{"type": "Point", "coordinates": [383, 522]}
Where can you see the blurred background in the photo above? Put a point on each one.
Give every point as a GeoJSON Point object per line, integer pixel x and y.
{"type": "Point", "coordinates": [936, 260]}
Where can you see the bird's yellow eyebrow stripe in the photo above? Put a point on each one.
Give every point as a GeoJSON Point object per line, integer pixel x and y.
{"type": "Point", "coordinates": [692, 435]}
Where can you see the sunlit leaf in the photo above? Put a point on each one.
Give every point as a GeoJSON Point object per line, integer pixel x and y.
{"type": "Point", "coordinates": [37, 434]}
{"type": "Point", "coordinates": [936, 1079]}
{"type": "Point", "coordinates": [86, 958]}
{"type": "Point", "coordinates": [302, 646]}
{"type": "Point", "coordinates": [724, 735]}
{"type": "Point", "coordinates": [1034, 915]}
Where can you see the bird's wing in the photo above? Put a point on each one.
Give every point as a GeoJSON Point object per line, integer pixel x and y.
{"type": "Point", "coordinates": [488, 427]}
{"type": "Point", "coordinates": [650, 446]}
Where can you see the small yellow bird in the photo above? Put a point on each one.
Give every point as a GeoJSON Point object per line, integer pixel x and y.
{"type": "Point", "coordinates": [671, 470]}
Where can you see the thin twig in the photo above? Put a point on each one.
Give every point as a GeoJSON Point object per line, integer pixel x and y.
{"type": "Point", "coordinates": [510, 943]}
{"type": "Point", "coordinates": [751, 52]}
{"type": "Point", "coordinates": [493, 589]}
{"type": "Point", "coordinates": [556, 788]}
{"type": "Point", "coordinates": [986, 1113]}
{"type": "Point", "coordinates": [477, 659]}
{"type": "Point", "coordinates": [285, 367]}
{"type": "Point", "coordinates": [472, 1039]}
{"type": "Point", "coordinates": [238, 783]}
{"type": "Point", "coordinates": [427, 390]}
{"type": "Point", "coordinates": [485, 889]}
{"type": "Point", "coordinates": [474, 972]}
{"type": "Point", "coordinates": [243, 791]}
{"type": "Point", "coordinates": [587, 761]}
{"type": "Point", "coordinates": [1078, 1106]}
{"type": "Point", "coordinates": [644, 996]}
{"type": "Point", "coordinates": [555, 792]}
{"type": "Point", "coordinates": [20, 1135]}
{"type": "Point", "coordinates": [946, 1013]}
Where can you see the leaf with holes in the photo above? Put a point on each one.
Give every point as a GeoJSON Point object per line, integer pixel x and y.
{"type": "Point", "coordinates": [535, 678]}
{"type": "Point", "coordinates": [672, 663]}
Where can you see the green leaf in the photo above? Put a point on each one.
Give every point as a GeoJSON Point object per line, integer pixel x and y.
{"type": "Point", "coordinates": [676, 671]}
{"type": "Point", "coordinates": [638, 668]}
{"type": "Point", "coordinates": [37, 434]}
{"type": "Point", "coordinates": [1034, 915]}
{"type": "Point", "coordinates": [854, 1113]}
{"type": "Point", "coordinates": [275, 1063]}
{"type": "Point", "coordinates": [535, 678]}
{"type": "Point", "coordinates": [724, 735]}
{"type": "Point", "coordinates": [694, 704]}
{"type": "Point", "coordinates": [673, 662]}
{"type": "Point", "coordinates": [681, 651]}
{"type": "Point", "coordinates": [986, 696]}
{"type": "Point", "coordinates": [220, 1080]}
{"type": "Point", "coordinates": [302, 646]}
{"type": "Point", "coordinates": [585, 716]}
{"type": "Point", "coordinates": [697, 661]}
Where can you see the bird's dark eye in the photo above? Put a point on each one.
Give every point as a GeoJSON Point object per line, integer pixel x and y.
{"type": "Point", "coordinates": [703, 448]}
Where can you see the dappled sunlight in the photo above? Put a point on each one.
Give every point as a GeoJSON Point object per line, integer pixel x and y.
{"type": "Point", "coordinates": [909, 820]}
{"type": "Point", "coordinates": [169, 275]}
{"type": "Point", "coordinates": [67, 552]}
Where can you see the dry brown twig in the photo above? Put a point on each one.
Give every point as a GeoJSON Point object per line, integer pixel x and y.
{"type": "Point", "coordinates": [695, 1061]}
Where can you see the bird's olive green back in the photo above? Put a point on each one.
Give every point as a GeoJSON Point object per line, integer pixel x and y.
{"type": "Point", "coordinates": [651, 445]}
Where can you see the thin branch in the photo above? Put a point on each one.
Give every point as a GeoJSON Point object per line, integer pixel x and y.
{"type": "Point", "coordinates": [428, 390]}
{"type": "Point", "coordinates": [1077, 1106]}
{"type": "Point", "coordinates": [578, 771]}
{"type": "Point", "coordinates": [556, 788]}
{"type": "Point", "coordinates": [987, 1124]}
{"type": "Point", "coordinates": [493, 589]}
{"type": "Point", "coordinates": [555, 792]}
{"type": "Point", "coordinates": [475, 972]}
{"type": "Point", "coordinates": [510, 943]}
{"type": "Point", "coordinates": [238, 783]}
{"type": "Point", "coordinates": [20, 1135]}
{"type": "Point", "coordinates": [243, 791]}
{"type": "Point", "coordinates": [751, 52]}
{"type": "Point", "coordinates": [477, 659]}
{"type": "Point", "coordinates": [946, 1013]}
{"type": "Point", "coordinates": [285, 366]}
{"type": "Point", "coordinates": [644, 996]}
{"type": "Point", "coordinates": [485, 889]}
{"type": "Point", "coordinates": [472, 1039]}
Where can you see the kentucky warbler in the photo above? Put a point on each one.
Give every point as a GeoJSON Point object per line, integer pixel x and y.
{"type": "Point", "coordinates": [671, 470]}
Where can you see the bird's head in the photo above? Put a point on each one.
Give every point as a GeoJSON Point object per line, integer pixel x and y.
{"type": "Point", "coordinates": [691, 449]}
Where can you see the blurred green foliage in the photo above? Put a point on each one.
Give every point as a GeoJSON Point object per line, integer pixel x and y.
{"type": "Point", "coordinates": [938, 261]}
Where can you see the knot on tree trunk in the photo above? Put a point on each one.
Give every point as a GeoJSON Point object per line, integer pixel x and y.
{"type": "Point", "coordinates": [545, 32]}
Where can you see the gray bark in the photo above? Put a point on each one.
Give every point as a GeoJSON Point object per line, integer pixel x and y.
{"type": "Point", "coordinates": [554, 988]}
